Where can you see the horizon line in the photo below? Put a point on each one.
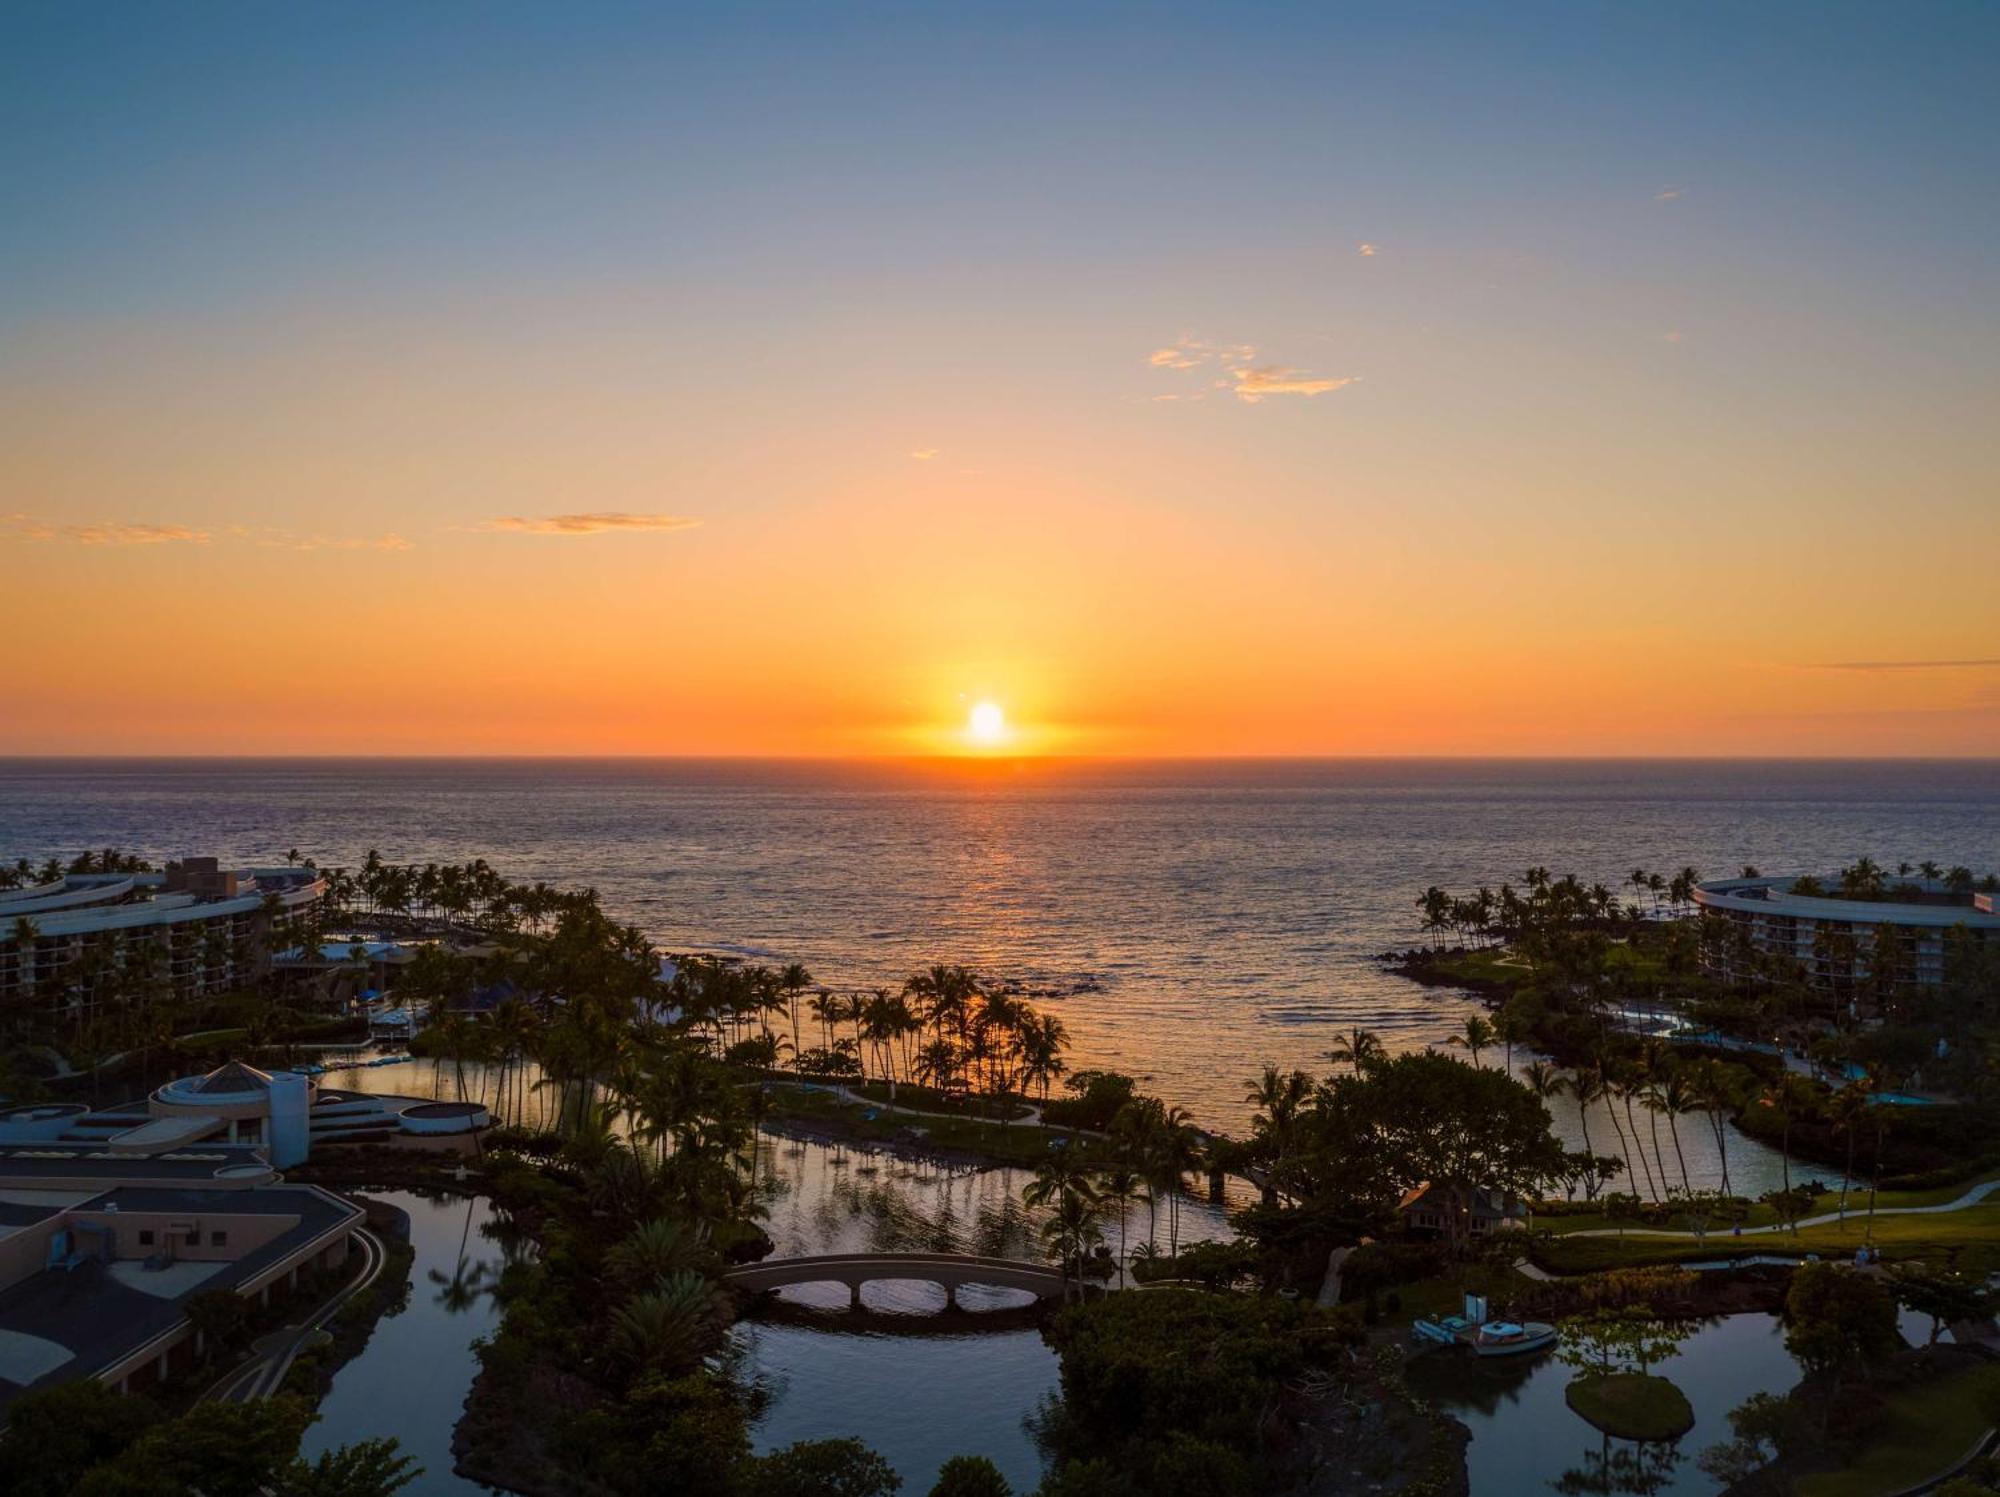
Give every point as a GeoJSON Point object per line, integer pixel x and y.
{"type": "Point", "coordinates": [996, 759]}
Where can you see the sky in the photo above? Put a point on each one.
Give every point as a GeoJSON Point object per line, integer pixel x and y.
{"type": "Point", "coordinates": [1386, 379]}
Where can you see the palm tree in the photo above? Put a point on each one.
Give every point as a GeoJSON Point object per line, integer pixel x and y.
{"type": "Point", "coordinates": [1476, 1036]}
{"type": "Point", "coordinates": [1059, 1177]}
{"type": "Point", "coordinates": [793, 979]}
{"type": "Point", "coordinates": [1120, 1183]}
{"type": "Point", "coordinates": [1359, 1048]}
{"type": "Point", "coordinates": [1071, 1232]}
{"type": "Point", "coordinates": [1791, 1095]}
{"type": "Point", "coordinates": [1179, 1151]}
{"type": "Point", "coordinates": [669, 1328]}
{"type": "Point", "coordinates": [1670, 1095]}
{"type": "Point", "coordinates": [1850, 1105]}
{"type": "Point", "coordinates": [1587, 1087]}
{"type": "Point", "coordinates": [1279, 1097]}
{"type": "Point", "coordinates": [655, 1250]}
{"type": "Point", "coordinates": [1610, 1091]}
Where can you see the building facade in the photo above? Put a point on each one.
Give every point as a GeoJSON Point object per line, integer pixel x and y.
{"type": "Point", "coordinates": [1836, 940]}
{"type": "Point", "coordinates": [196, 929]}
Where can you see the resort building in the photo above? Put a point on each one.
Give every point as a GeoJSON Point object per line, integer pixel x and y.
{"type": "Point", "coordinates": [1835, 938]}
{"type": "Point", "coordinates": [285, 1114]}
{"type": "Point", "coordinates": [1482, 1212]}
{"type": "Point", "coordinates": [102, 1249]}
{"type": "Point", "coordinates": [197, 928]}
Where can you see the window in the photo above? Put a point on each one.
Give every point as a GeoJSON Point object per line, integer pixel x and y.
{"type": "Point", "coordinates": [218, 1239]}
{"type": "Point", "coordinates": [145, 1237]}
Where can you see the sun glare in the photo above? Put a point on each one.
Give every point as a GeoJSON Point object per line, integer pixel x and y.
{"type": "Point", "coordinates": [987, 726]}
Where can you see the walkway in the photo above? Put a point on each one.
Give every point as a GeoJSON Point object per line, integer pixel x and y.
{"type": "Point", "coordinates": [1329, 1289]}
{"type": "Point", "coordinates": [1972, 1197]}
{"type": "Point", "coordinates": [264, 1374]}
{"type": "Point", "coordinates": [951, 1270]}
{"type": "Point", "coordinates": [1033, 1119]}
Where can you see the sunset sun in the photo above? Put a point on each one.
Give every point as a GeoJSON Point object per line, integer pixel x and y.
{"type": "Point", "coordinates": [987, 725]}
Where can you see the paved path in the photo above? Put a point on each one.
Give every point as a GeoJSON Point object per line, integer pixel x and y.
{"type": "Point", "coordinates": [848, 1094]}
{"type": "Point", "coordinates": [1329, 1289]}
{"type": "Point", "coordinates": [1972, 1197]}
{"type": "Point", "coordinates": [264, 1374]}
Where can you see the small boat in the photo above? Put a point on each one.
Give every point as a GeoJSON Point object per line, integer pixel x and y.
{"type": "Point", "coordinates": [1488, 1338]}
{"type": "Point", "coordinates": [1508, 1338]}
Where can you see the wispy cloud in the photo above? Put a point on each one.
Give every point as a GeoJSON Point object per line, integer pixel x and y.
{"type": "Point", "coordinates": [1252, 385]}
{"type": "Point", "coordinates": [595, 523]}
{"type": "Point", "coordinates": [1908, 665]}
{"type": "Point", "coordinates": [1248, 380]}
{"type": "Point", "coordinates": [292, 540]}
{"type": "Point", "coordinates": [1668, 194]}
{"type": "Point", "coordinates": [923, 454]}
{"type": "Point", "coordinates": [1366, 250]}
{"type": "Point", "coordinates": [1672, 336]}
{"type": "Point", "coordinates": [101, 533]}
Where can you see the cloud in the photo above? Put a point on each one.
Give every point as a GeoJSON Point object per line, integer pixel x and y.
{"type": "Point", "coordinates": [1248, 380]}
{"type": "Point", "coordinates": [1674, 336]}
{"type": "Point", "coordinates": [595, 523]}
{"type": "Point", "coordinates": [103, 532]}
{"type": "Point", "coordinates": [1187, 353]}
{"type": "Point", "coordinates": [923, 454]}
{"type": "Point", "coordinates": [288, 540]}
{"type": "Point", "coordinates": [1367, 251]}
{"type": "Point", "coordinates": [1668, 194]}
{"type": "Point", "coordinates": [1252, 385]}
{"type": "Point", "coordinates": [1908, 665]}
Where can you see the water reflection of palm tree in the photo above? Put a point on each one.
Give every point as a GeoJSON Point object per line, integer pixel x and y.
{"type": "Point", "coordinates": [460, 1289]}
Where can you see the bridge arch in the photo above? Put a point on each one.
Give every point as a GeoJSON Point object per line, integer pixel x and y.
{"type": "Point", "coordinates": [951, 1271]}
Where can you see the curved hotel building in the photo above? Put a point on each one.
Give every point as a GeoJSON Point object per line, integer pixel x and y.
{"type": "Point", "coordinates": [1833, 937]}
{"type": "Point", "coordinates": [206, 922]}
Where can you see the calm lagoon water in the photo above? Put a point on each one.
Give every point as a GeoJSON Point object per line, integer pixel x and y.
{"type": "Point", "coordinates": [916, 1396]}
{"type": "Point", "coordinates": [410, 1381]}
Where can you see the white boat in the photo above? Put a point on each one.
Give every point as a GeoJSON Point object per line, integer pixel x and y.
{"type": "Point", "coordinates": [1488, 1338]}
{"type": "Point", "coordinates": [1509, 1338]}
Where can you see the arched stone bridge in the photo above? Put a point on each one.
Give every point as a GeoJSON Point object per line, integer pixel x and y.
{"type": "Point", "coordinates": [951, 1270]}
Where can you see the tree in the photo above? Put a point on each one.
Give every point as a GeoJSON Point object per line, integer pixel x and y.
{"type": "Point", "coordinates": [219, 1317]}
{"type": "Point", "coordinates": [1606, 1341]}
{"type": "Point", "coordinates": [1359, 1048]}
{"type": "Point", "coordinates": [1944, 1296]}
{"type": "Point", "coordinates": [1764, 1425]}
{"type": "Point", "coordinates": [671, 1327]}
{"type": "Point", "coordinates": [368, 1468]}
{"type": "Point", "coordinates": [1477, 1035]}
{"type": "Point", "coordinates": [1837, 1320]}
{"type": "Point", "coordinates": [970, 1476]}
{"type": "Point", "coordinates": [57, 1434]}
{"type": "Point", "coordinates": [1430, 1118]}
{"type": "Point", "coordinates": [822, 1468]}
{"type": "Point", "coordinates": [214, 1450]}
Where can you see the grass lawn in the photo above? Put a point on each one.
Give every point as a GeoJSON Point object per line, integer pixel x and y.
{"type": "Point", "coordinates": [1632, 1406]}
{"type": "Point", "coordinates": [1025, 1145]}
{"type": "Point", "coordinates": [1926, 1430]}
{"type": "Point", "coordinates": [1939, 1235]}
{"type": "Point", "coordinates": [1761, 1215]}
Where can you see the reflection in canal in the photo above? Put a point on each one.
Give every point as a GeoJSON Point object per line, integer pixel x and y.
{"type": "Point", "coordinates": [917, 1399]}
{"type": "Point", "coordinates": [410, 1381]}
{"type": "Point", "coordinates": [1525, 1438]}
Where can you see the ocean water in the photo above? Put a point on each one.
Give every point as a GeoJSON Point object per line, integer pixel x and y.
{"type": "Point", "coordinates": [1189, 920]}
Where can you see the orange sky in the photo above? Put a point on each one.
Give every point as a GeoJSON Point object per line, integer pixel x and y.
{"type": "Point", "coordinates": [1463, 416]}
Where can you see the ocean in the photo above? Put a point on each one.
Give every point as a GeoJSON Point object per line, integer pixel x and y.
{"type": "Point", "coordinates": [1190, 921]}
